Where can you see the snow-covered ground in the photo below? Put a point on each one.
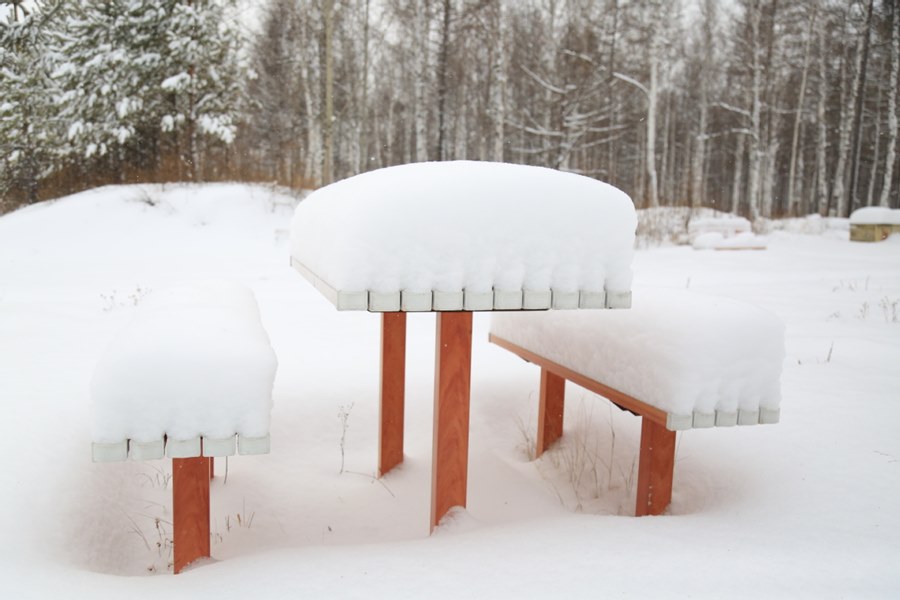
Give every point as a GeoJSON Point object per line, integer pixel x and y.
{"type": "Point", "coordinates": [805, 508]}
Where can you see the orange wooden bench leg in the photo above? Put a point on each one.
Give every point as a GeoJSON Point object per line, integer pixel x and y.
{"type": "Point", "coordinates": [452, 382]}
{"type": "Point", "coordinates": [550, 411]}
{"type": "Point", "coordinates": [393, 384]}
{"type": "Point", "coordinates": [190, 512]}
{"type": "Point", "coordinates": [655, 469]}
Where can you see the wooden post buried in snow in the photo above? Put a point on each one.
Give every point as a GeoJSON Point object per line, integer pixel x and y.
{"type": "Point", "coordinates": [190, 509]}
{"type": "Point", "coordinates": [550, 410]}
{"type": "Point", "coordinates": [393, 383]}
{"type": "Point", "coordinates": [655, 469]}
{"type": "Point", "coordinates": [452, 382]}
{"type": "Point", "coordinates": [657, 457]}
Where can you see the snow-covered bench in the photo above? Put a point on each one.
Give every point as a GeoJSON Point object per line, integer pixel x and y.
{"type": "Point", "coordinates": [874, 223]}
{"type": "Point", "coordinates": [725, 225]}
{"type": "Point", "coordinates": [189, 378]}
{"type": "Point", "coordinates": [676, 359]}
{"type": "Point", "coordinates": [728, 232]}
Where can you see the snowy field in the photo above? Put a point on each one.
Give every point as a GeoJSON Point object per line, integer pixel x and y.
{"type": "Point", "coordinates": [806, 508]}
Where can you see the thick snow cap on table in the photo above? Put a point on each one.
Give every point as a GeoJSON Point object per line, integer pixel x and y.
{"type": "Point", "coordinates": [703, 360]}
{"type": "Point", "coordinates": [194, 362]}
{"type": "Point", "coordinates": [475, 227]}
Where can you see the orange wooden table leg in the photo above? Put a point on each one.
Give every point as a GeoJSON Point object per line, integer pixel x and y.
{"type": "Point", "coordinates": [393, 384]}
{"type": "Point", "coordinates": [550, 411]}
{"type": "Point", "coordinates": [655, 469]}
{"type": "Point", "coordinates": [190, 509]}
{"type": "Point", "coordinates": [452, 382]}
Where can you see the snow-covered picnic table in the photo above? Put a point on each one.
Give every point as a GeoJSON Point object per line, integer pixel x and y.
{"type": "Point", "coordinates": [453, 238]}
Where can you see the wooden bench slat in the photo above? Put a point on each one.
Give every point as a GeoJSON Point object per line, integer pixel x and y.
{"type": "Point", "coordinates": [618, 398]}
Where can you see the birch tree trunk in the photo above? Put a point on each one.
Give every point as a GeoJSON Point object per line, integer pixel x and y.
{"type": "Point", "coordinates": [665, 188]}
{"type": "Point", "coordinates": [857, 113]}
{"type": "Point", "coordinates": [312, 103]}
{"type": "Point", "coordinates": [755, 158]}
{"type": "Point", "coordinates": [328, 115]}
{"type": "Point", "coordinates": [442, 84]}
{"type": "Point", "coordinates": [793, 194]}
{"type": "Point", "coordinates": [839, 191]}
{"type": "Point", "coordinates": [876, 153]}
{"type": "Point", "coordinates": [498, 84]}
{"type": "Point", "coordinates": [698, 188]}
{"type": "Point", "coordinates": [420, 107]}
{"type": "Point", "coordinates": [822, 130]}
{"type": "Point", "coordinates": [884, 198]}
{"type": "Point", "coordinates": [361, 155]}
{"type": "Point", "coordinates": [650, 158]}
{"type": "Point", "coordinates": [736, 186]}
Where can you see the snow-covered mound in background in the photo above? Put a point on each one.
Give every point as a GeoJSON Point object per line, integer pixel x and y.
{"type": "Point", "coordinates": [472, 226]}
{"type": "Point", "coordinates": [153, 222]}
{"type": "Point", "coordinates": [742, 241]}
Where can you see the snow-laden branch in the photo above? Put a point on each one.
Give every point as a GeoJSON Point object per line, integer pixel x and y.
{"type": "Point", "coordinates": [544, 83]}
{"type": "Point", "coordinates": [633, 82]}
{"type": "Point", "coordinates": [735, 109]}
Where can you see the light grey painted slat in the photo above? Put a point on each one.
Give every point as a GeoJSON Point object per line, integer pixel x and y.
{"type": "Point", "coordinates": [748, 417]}
{"type": "Point", "coordinates": [679, 422]}
{"type": "Point", "coordinates": [415, 301]}
{"type": "Point", "coordinates": [478, 300]}
{"type": "Point", "coordinates": [704, 420]}
{"type": "Point", "coordinates": [341, 299]}
{"type": "Point", "coordinates": [106, 453]}
{"type": "Point", "coordinates": [769, 416]}
{"type": "Point", "coordinates": [592, 299]}
{"type": "Point", "coordinates": [726, 419]}
{"type": "Point", "coordinates": [152, 450]}
{"type": "Point", "coordinates": [379, 302]}
{"type": "Point", "coordinates": [507, 299]}
{"type": "Point", "coordinates": [447, 300]}
{"type": "Point", "coordinates": [536, 299]}
{"type": "Point", "coordinates": [183, 448]}
{"type": "Point", "coordinates": [618, 299]}
{"type": "Point", "coordinates": [352, 300]}
{"type": "Point", "coordinates": [219, 447]}
{"type": "Point", "coordinates": [563, 300]}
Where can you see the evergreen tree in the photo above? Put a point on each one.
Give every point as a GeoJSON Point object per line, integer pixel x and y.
{"type": "Point", "coordinates": [28, 124]}
{"type": "Point", "coordinates": [202, 77]}
{"type": "Point", "coordinates": [111, 76]}
{"type": "Point", "coordinates": [148, 77]}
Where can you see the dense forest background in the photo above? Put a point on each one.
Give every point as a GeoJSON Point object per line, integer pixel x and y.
{"type": "Point", "coordinates": [758, 107]}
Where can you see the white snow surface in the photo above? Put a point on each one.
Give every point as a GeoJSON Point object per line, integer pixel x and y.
{"type": "Point", "coordinates": [726, 225]}
{"type": "Point", "coordinates": [464, 225]}
{"type": "Point", "coordinates": [875, 215]}
{"type": "Point", "coordinates": [741, 241]}
{"type": "Point", "coordinates": [804, 509]}
{"type": "Point", "coordinates": [194, 361]}
{"type": "Point", "coordinates": [679, 351]}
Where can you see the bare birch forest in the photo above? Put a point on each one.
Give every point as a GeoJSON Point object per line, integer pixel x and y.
{"type": "Point", "coordinates": [759, 107]}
